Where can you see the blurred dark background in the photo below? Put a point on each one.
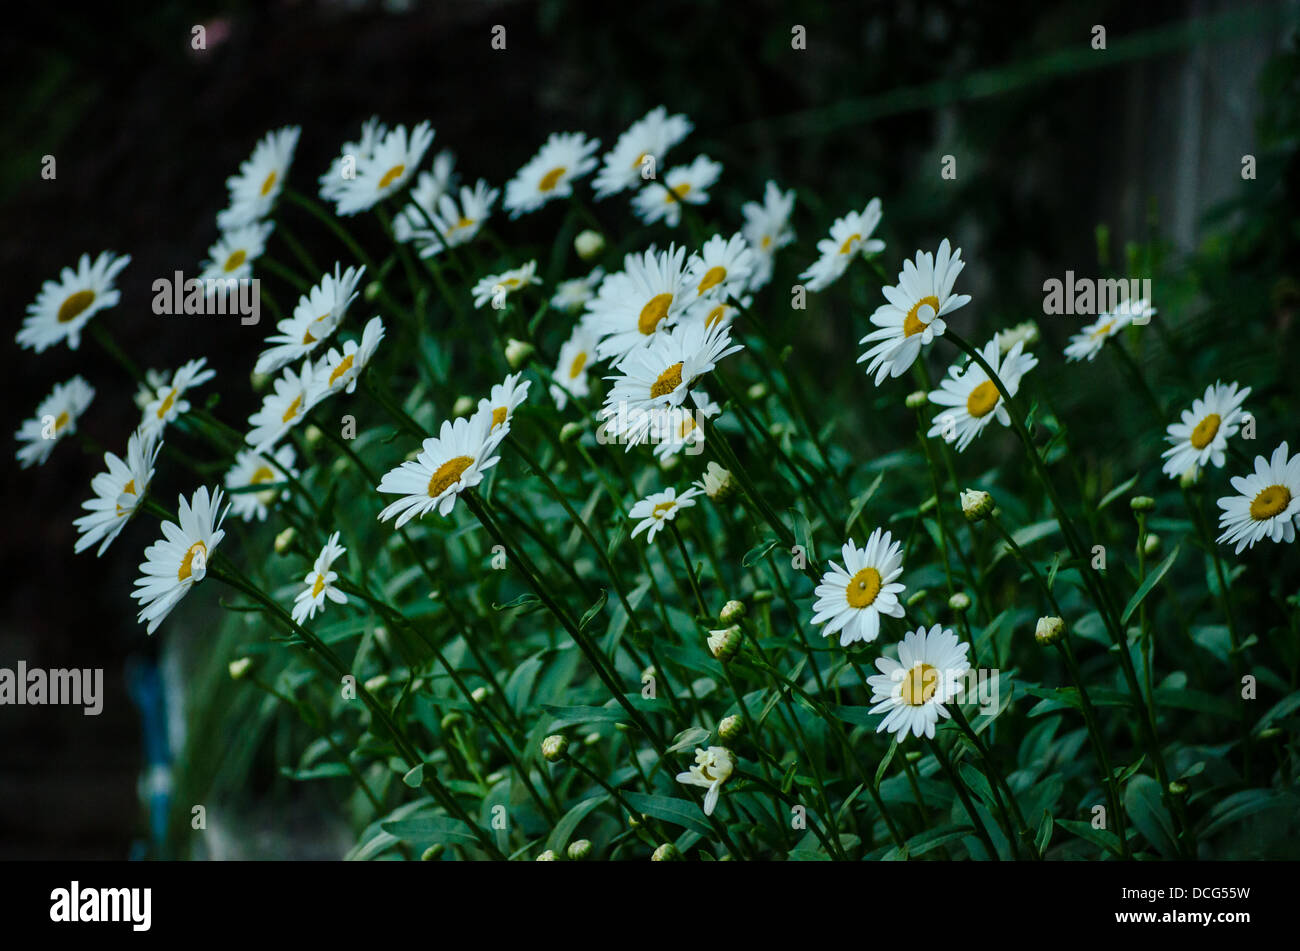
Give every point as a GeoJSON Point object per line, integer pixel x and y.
{"type": "Point", "coordinates": [1051, 138]}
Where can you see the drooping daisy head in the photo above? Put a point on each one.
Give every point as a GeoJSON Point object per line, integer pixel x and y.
{"type": "Point", "coordinates": [456, 224]}
{"type": "Point", "coordinates": [339, 370]}
{"type": "Point", "coordinates": [689, 184]}
{"type": "Point", "coordinates": [1267, 504]}
{"type": "Point", "coordinates": [766, 230]}
{"type": "Point", "coordinates": [64, 307]}
{"type": "Point", "coordinates": [1086, 344]}
{"type": "Point", "coordinates": [656, 510]}
{"type": "Point", "coordinates": [447, 465]}
{"type": "Point", "coordinates": [500, 406]}
{"type": "Point", "coordinates": [179, 560]}
{"type": "Point", "coordinates": [320, 583]}
{"type": "Point", "coordinates": [576, 358]}
{"type": "Point", "coordinates": [713, 767]}
{"type": "Point", "coordinates": [169, 399]}
{"type": "Point", "coordinates": [550, 174]}
{"type": "Point", "coordinates": [343, 168]}
{"type": "Point", "coordinates": [118, 493]}
{"type": "Point", "coordinates": [850, 238]}
{"type": "Point", "coordinates": [495, 288]}
{"type": "Point", "coordinates": [316, 316]}
{"type": "Point", "coordinates": [260, 180]}
{"type": "Point", "coordinates": [386, 170]}
{"type": "Point", "coordinates": [680, 428]}
{"type": "Point", "coordinates": [253, 469]}
{"type": "Point", "coordinates": [647, 296]}
{"type": "Point", "coordinates": [292, 397]}
{"type": "Point", "coordinates": [640, 151]}
{"type": "Point", "coordinates": [56, 417]}
{"type": "Point", "coordinates": [914, 311]}
{"type": "Point", "coordinates": [913, 690]}
{"type": "Point", "coordinates": [232, 257]}
{"type": "Point", "coordinates": [1201, 436]}
{"type": "Point", "coordinates": [970, 400]}
{"type": "Point", "coordinates": [572, 296]}
{"type": "Point", "coordinates": [721, 269]}
{"type": "Point", "coordinates": [851, 599]}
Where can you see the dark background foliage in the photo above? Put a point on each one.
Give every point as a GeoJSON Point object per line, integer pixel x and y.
{"type": "Point", "coordinates": [1051, 139]}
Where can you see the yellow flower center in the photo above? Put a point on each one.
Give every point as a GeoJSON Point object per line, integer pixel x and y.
{"type": "Point", "coordinates": [551, 178]}
{"type": "Point", "coordinates": [653, 312]}
{"type": "Point", "coordinates": [263, 474]}
{"type": "Point", "coordinates": [499, 415]}
{"type": "Point", "coordinates": [269, 183]}
{"type": "Point", "coordinates": [662, 509]}
{"type": "Point", "coordinates": [1272, 501]}
{"type": "Point", "coordinates": [863, 588]}
{"type": "Point", "coordinates": [61, 421]}
{"type": "Point", "coordinates": [1205, 431]}
{"type": "Point", "coordinates": [639, 159]}
{"type": "Point", "coordinates": [319, 586]}
{"type": "Point", "coordinates": [448, 474]}
{"type": "Point", "coordinates": [75, 304]}
{"type": "Point", "coordinates": [292, 411]}
{"type": "Point", "coordinates": [236, 258]}
{"type": "Point", "coordinates": [128, 489]}
{"type": "Point", "coordinates": [668, 381]}
{"type": "Point", "coordinates": [576, 366]}
{"type": "Point", "coordinates": [344, 366]}
{"type": "Point", "coordinates": [682, 190]}
{"type": "Point", "coordinates": [1103, 329]}
{"type": "Point", "coordinates": [919, 685]}
{"type": "Point", "coordinates": [911, 323]}
{"type": "Point", "coordinates": [307, 338]}
{"type": "Point", "coordinates": [847, 246]}
{"type": "Point", "coordinates": [715, 316]}
{"type": "Point", "coordinates": [766, 242]}
{"type": "Point", "coordinates": [463, 222]}
{"type": "Point", "coordinates": [166, 405]}
{"type": "Point", "coordinates": [187, 563]}
{"type": "Point", "coordinates": [391, 175]}
{"type": "Point", "coordinates": [712, 278]}
{"type": "Point", "coordinates": [323, 316]}
{"type": "Point", "coordinates": [982, 399]}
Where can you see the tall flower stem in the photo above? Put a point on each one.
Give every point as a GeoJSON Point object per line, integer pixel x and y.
{"type": "Point", "coordinates": [956, 784]}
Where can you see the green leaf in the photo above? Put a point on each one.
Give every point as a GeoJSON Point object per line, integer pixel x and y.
{"type": "Point", "coordinates": [884, 763]}
{"type": "Point", "coordinates": [1151, 581]}
{"type": "Point", "coordinates": [1143, 805]}
{"type": "Point", "coordinates": [1044, 832]}
{"type": "Point", "coordinates": [1116, 492]}
{"type": "Point", "coordinates": [689, 738]}
{"type": "Point", "coordinates": [594, 610]}
{"type": "Point", "coordinates": [570, 716]}
{"type": "Point", "coordinates": [415, 777]}
{"type": "Point", "coordinates": [679, 812]}
{"type": "Point", "coordinates": [1246, 803]}
{"type": "Point", "coordinates": [759, 552]}
{"type": "Point", "coordinates": [529, 602]}
{"type": "Point", "coordinates": [432, 830]}
{"type": "Point", "coordinates": [1099, 837]}
{"type": "Point", "coordinates": [568, 824]}
{"type": "Point", "coordinates": [860, 503]}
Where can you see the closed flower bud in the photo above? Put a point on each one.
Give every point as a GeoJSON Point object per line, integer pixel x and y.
{"type": "Point", "coordinates": [373, 290]}
{"type": "Point", "coordinates": [570, 431]}
{"type": "Point", "coordinates": [1142, 503]}
{"type": "Point", "coordinates": [1151, 545]}
{"type": "Point", "coordinates": [718, 483]}
{"type": "Point", "coordinates": [668, 463]}
{"type": "Point", "coordinates": [257, 380]}
{"type": "Point", "coordinates": [1049, 630]}
{"type": "Point", "coordinates": [761, 596]}
{"type": "Point", "coordinates": [976, 504]}
{"type": "Point", "coordinates": [312, 434]}
{"type": "Point", "coordinates": [463, 406]}
{"type": "Point", "coordinates": [731, 727]}
{"type": "Point", "coordinates": [1025, 333]}
{"type": "Point", "coordinates": [588, 244]}
{"type": "Point", "coordinates": [547, 856]}
{"type": "Point", "coordinates": [477, 694]}
{"type": "Point", "coordinates": [238, 668]}
{"type": "Point", "coordinates": [916, 400]}
{"type": "Point", "coordinates": [377, 682]}
{"type": "Point", "coordinates": [666, 853]}
{"type": "Point", "coordinates": [758, 391]}
{"type": "Point", "coordinates": [517, 353]}
{"type": "Point", "coordinates": [579, 850]}
{"type": "Point", "coordinates": [554, 748]}
{"type": "Point", "coordinates": [959, 602]}
{"type": "Point", "coordinates": [1177, 789]}
{"type": "Point", "coordinates": [917, 598]}
{"type": "Point", "coordinates": [591, 739]}
{"type": "Point", "coordinates": [723, 644]}
{"type": "Point", "coordinates": [732, 612]}
{"type": "Point", "coordinates": [284, 540]}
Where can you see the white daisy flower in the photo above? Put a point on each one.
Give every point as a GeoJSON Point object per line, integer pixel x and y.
{"type": "Point", "coordinates": [497, 287]}
{"type": "Point", "coordinates": [913, 690]}
{"type": "Point", "coordinates": [648, 295]}
{"type": "Point", "coordinates": [972, 400]}
{"type": "Point", "coordinates": [1086, 344]}
{"type": "Point", "coordinates": [576, 357]}
{"type": "Point", "coordinates": [316, 316]}
{"type": "Point", "coordinates": [457, 224]}
{"type": "Point", "coordinates": [712, 768]}
{"type": "Point", "coordinates": [1268, 503]}
{"type": "Point", "coordinates": [850, 238]}
{"type": "Point", "coordinates": [56, 417]}
{"type": "Point", "coordinates": [660, 375]}
{"type": "Point", "coordinates": [685, 183]}
{"type": "Point", "coordinates": [712, 312]}
{"type": "Point", "coordinates": [260, 180]}
{"type": "Point", "coordinates": [118, 493]}
{"type": "Point", "coordinates": [573, 295]}
{"type": "Point", "coordinates": [766, 230]}
{"type": "Point", "coordinates": [1202, 436]}
{"type": "Point", "coordinates": [721, 269]}
{"type": "Point", "coordinates": [655, 510]}
{"type": "Point", "coordinates": [685, 430]}
{"type": "Point", "coordinates": [505, 398]}
{"type": "Point", "coordinates": [169, 399]}
{"type": "Point", "coordinates": [913, 313]}
{"type": "Point", "coordinates": [339, 370]}
{"type": "Point", "coordinates": [232, 257]}
{"type": "Point", "coordinates": [153, 381]}
{"type": "Point", "coordinates": [566, 157]}
{"type": "Point", "coordinates": [179, 560]}
{"type": "Point", "coordinates": [850, 600]}
{"type": "Point", "coordinates": [386, 170]}
{"type": "Point", "coordinates": [293, 396]}
{"type": "Point", "coordinates": [343, 168]}
{"type": "Point", "coordinates": [431, 187]}
{"type": "Point", "coordinates": [447, 465]}
{"type": "Point", "coordinates": [252, 469]}
{"type": "Point", "coordinates": [64, 307]}
{"type": "Point", "coordinates": [1025, 332]}
{"type": "Point", "coordinates": [320, 583]}
{"type": "Point", "coordinates": [650, 137]}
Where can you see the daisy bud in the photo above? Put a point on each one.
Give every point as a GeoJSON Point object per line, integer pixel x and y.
{"type": "Point", "coordinates": [570, 432]}
{"type": "Point", "coordinates": [284, 540]}
{"type": "Point", "coordinates": [635, 820]}
{"type": "Point", "coordinates": [1142, 503]}
{"type": "Point", "coordinates": [312, 434]}
{"type": "Point", "coordinates": [547, 856]}
{"type": "Point", "coordinates": [432, 852]}
{"type": "Point", "coordinates": [731, 727]}
{"type": "Point", "coordinates": [1049, 630]}
{"type": "Point", "coordinates": [1024, 333]}
{"type": "Point", "coordinates": [718, 483]}
{"type": "Point", "coordinates": [668, 463]}
{"type": "Point", "coordinates": [1189, 478]}
{"type": "Point", "coordinates": [517, 353]}
{"type": "Point", "coordinates": [649, 673]}
{"type": "Point", "coordinates": [477, 694]}
{"type": "Point", "coordinates": [1151, 545]}
{"type": "Point", "coordinates": [976, 504]}
{"type": "Point", "coordinates": [1177, 789]}
{"type": "Point", "coordinates": [377, 682]}
{"type": "Point", "coordinates": [916, 400]}
{"type": "Point", "coordinates": [373, 290]}
{"type": "Point", "coordinates": [238, 668]}
{"type": "Point", "coordinates": [579, 850]}
{"type": "Point", "coordinates": [554, 748]}
{"type": "Point", "coordinates": [258, 381]}
{"type": "Point", "coordinates": [493, 778]}
{"type": "Point", "coordinates": [666, 853]}
{"type": "Point", "coordinates": [732, 612]}
{"type": "Point", "coordinates": [960, 602]}
{"type": "Point", "coordinates": [913, 755]}
{"type": "Point", "coordinates": [917, 598]}
{"type": "Point", "coordinates": [588, 244]}
{"type": "Point", "coordinates": [723, 644]}
{"type": "Point", "coordinates": [463, 406]}
{"type": "Point", "coordinates": [758, 391]}
{"type": "Point", "coordinates": [761, 596]}
{"type": "Point", "coordinates": [591, 739]}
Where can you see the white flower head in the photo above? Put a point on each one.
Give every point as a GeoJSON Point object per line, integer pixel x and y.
{"type": "Point", "coordinates": [721, 269]}
{"type": "Point", "coordinates": [339, 370]}
{"type": "Point", "coordinates": [577, 355]}
{"type": "Point", "coordinates": [179, 560]}
{"type": "Point", "coordinates": [316, 316]}
{"type": "Point", "coordinates": [456, 224]}
{"type": "Point", "coordinates": [386, 170]}
{"type": "Point", "coordinates": [56, 417]}
{"type": "Point", "coordinates": [970, 400]}
{"type": "Point", "coordinates": [565, 158]}
{"type": "Point", "coordinates": [500, 406]}
{"type": "Point", "coordinates": [850, 238]}
{"type": "Point", "coordinates": [292, 397]}
{"type": "Point", "coordinates": [659, 508]}
{"type": "Point", "coordinates": [319, 583]}
{"type": "Point", "coordinates": [713, 767]}
{"type": "Point", "coordinates": [658, 201]}
{"type": "Point", "coordinates": [169, 399]}
{"type": "Point", "coordinates": [118, 493]}
{"type": "Point", "coordinates": [684, 430]}
{"type": "Point", "coordinates": [412, 222]}
{"type": "Point", "coordinates": [640, 151]}
{"type": "Point", "coordinates": [252, 469]}
{"type": "Point", "coordinates": [913, 690]}
{"type": "Point", "coordinates": [497, 287]}
{"type": "Point", "coordinates": [767, 230]}
{"type": "Point", "coordinates": [1267, 504]}
{"type": "Point", "coordinates": [64, 307]}
{"type": "Point", "coordinates": [447, 465]}
{"type": "Point", "coordinates": [260, 180]}
{"type": "Point", "coordinates": [343, 168]}
{"type": "Point", "coordinates": [232, 257]}
{"type": "Point", "coordinates": [572, 296]}
{"type": "Point", "coordinates": [649, 295]}
{"type": "Point", "coordinates": [851, 599]}
{"type": "Point", "coordinates": [1201, 436]}
{"type": "Point", "coordinates": [1086, 344]}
